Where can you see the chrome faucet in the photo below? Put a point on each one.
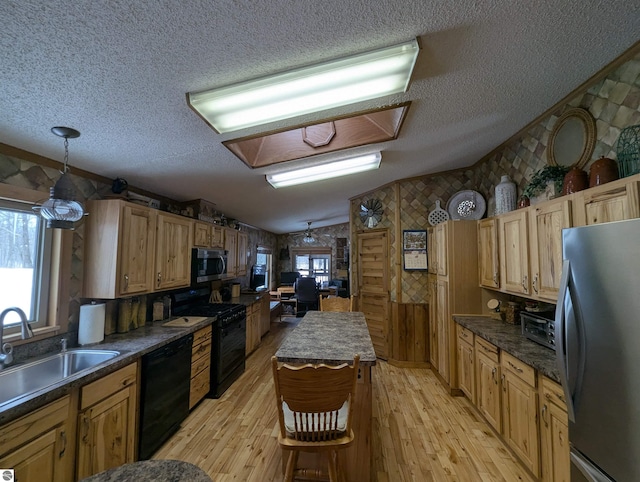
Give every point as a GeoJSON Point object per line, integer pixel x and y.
{"type": "Point", "coordinates": [6, 349]}
{"type": "Point", "coordinates": [63, 344]}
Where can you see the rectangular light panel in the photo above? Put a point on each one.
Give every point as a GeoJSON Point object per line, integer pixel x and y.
{"type": "Point", "coordinates": [329, 170]}
{"type": "Point", "coordinates": [308, 89]}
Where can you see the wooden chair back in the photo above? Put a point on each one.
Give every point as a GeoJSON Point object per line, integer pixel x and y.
{"type": "Point", "coordinates": [335, 303]}
{"type": "Point", "coordinates": [315, 397]}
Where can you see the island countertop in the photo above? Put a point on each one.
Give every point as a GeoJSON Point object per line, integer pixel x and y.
{"type": "Point", "coordinates": [328, 337]}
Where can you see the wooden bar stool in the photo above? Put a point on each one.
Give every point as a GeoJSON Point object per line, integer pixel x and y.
{"type": "Point", "coordinates": [315, 405]}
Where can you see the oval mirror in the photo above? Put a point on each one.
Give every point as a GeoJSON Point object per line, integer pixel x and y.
{"type": "Point", "coordinates": [572, 139]}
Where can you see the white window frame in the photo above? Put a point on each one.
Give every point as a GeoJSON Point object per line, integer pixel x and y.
{"type": "Point", "coordinates": [54, 315]}
{"type": "Point", "coordinates": [42, 268]}
{"type": "Point", "coordinates": [311, 254]}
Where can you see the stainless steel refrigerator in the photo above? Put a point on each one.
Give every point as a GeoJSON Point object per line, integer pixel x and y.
{"type": "Point", "coordinates": [598, 349]}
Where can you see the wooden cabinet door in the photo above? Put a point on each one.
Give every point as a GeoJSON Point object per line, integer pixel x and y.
{"type": "Point", "coordinates": [545, 238]}
{"type": "Point", "coordinates": [488, 260]}
{"type": "Point", "coordinates": [107, 422]}
{"type": "Point", "coordinates": [466, 372]}
{"type": "Point", "coordinates": [441, 248]}
{"type": "Point", "coordinates": [217, 237]}
{"type": "Point", "coordinates": [554, 443]}
{"type": "Point", "coordinates": [104, 436]}
{"type": "Point", "coordinates": [38, 446]}
{"type": "Point", "coordinates": [242, 254]}
{"type": "Point", "coordinates": [519, 417]}
{"type": "Point", "coordinates": [231, 246]}
{"type": "Point", "coordinates": [442, 317]}
{"type": "Point", "coordinates": [201, 234]}
{"type": "Point", "coordinates": [137, 246]}
{"type": "Point", "coordinates": [488, 389]}
{"type": "Point", "coordinates": [615, 202]}
{"type": "Point", "coordinates": [431, 250]}
{"type": "Point", "coordinates": [514, 252]}
{"type": "Point", "coordinates": [173, 252]}
{"type": "Point", "coordinates": [433, 322]}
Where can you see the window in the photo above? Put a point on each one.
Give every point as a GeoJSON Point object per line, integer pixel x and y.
{"type": "Point", "coordinates": [25, 253]}
{"type": "Point", "coordinates": [316, 264]}
{"type": "Point", "coordinates": [264, 257]}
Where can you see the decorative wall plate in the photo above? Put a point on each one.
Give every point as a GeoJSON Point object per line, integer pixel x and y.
{"type": "Point", "coordinates": [466, 204]}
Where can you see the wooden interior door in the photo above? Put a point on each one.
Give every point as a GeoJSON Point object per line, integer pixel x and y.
{"type": "Point", "coordinates": [373, 286]}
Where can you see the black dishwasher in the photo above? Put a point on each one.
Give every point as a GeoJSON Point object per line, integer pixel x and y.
{"type": "Point", "coordinates": [164, 394]}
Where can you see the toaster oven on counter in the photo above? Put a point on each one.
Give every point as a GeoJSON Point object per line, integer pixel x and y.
{"type": "Point", "coordinates": [539, 327]}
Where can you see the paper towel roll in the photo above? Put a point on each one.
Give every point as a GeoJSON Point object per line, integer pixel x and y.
{"type": "Point", "coordinates": [91, 329]}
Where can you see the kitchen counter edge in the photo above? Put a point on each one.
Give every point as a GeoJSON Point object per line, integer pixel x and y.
{"type": "Point", "coordinates": [510, 339]}
{"type": "Point", "coordinates": [131, 345]}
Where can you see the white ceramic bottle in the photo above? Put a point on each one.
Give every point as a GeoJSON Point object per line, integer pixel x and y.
{"type": "Point", "coordinates": [506, 197]}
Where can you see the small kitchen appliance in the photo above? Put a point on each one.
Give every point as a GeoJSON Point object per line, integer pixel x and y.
{"type": "Point", "coordinates": [539, 327]}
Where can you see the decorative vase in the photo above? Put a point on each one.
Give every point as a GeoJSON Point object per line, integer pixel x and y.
{"type": "Point", "coordinates": [602, 171]}
{"type": "Point", "coordinates": [575, 180]}
{"type": "Point", "coordinates": [505, 195]}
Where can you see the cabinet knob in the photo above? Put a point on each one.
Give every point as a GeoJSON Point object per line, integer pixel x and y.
{"type": "Point", "coordinates": [495, 279]}
{"type": "Point", "coordinates": [493, 374]}
{"type": "Point", "coordinates": [544, 415]}
{"type": "Point", "coordinates": [504, 385]}
{"type": "Point", "coordinates": [126, 281]}
{"type": "Point", "coordinates": [159, 278]}
{"type": "Point", "coordinates": [535, 283]}
{"type": "Point", "coordinates": [524, 284]}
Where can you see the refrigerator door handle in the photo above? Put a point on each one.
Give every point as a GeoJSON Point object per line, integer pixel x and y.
{"type": "Point", "coordinates": [561, 338]}
{"type": "Point", "coordinates": [588, 470]}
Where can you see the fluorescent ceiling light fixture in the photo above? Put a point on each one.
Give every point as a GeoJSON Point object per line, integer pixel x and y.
{"type": "Point", "coordinates": [308, 89]}
{"type": "Point", "coordinates": [329, 170]}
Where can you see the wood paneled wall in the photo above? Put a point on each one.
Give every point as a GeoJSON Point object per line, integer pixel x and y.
{"type": "Point", "coordinates": [409, 335]}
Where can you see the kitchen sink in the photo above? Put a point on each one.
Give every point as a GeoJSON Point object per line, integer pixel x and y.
{"type": "Point", "coordinates": [22, 380]}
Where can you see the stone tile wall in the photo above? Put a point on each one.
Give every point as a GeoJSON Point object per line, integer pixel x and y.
{"type": "Point", "coordinates": [614, 102]}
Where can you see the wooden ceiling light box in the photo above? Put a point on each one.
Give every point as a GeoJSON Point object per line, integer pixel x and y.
{"type": "Point", "coordinates": [360, 129]}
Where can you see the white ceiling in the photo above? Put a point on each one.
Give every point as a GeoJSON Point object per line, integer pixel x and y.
{"type": "Point", "coordinates": [118, 71]}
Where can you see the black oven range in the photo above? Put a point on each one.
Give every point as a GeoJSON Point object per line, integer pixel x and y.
{"type": "Point", "coordinates": [228, 338]}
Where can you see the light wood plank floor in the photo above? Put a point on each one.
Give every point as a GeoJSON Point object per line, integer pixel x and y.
{"type": "Point", "coordinates": [420, 433]}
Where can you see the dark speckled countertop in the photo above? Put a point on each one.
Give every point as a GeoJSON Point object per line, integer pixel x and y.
{"type": "Point", "coordinates": [152, 471]}
{"type": "Point", "coordinates": [328, 337]}
{"type": "Point", "coordinates": [510, 339]}
{"type": "Point", "coordinates": [131, 345]}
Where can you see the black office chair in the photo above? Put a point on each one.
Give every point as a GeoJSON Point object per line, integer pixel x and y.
{"type": "Point", "coordinates": [307, 295]}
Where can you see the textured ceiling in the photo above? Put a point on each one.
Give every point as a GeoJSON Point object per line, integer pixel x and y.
{"type": "Point", "coordinates": [118, 71]}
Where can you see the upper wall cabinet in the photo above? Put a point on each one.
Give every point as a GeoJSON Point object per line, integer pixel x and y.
{"type": "Point", "coordinates": [488, 259]}
{"type": "Point", "coordinates": [231, 246]}
{"type": "Point", "coordinates": [242, 254]}
{"type": "Point", "coordinates": [614, 201]}
{"type": "Point", "coordinates": [119, 249]}
{"type": "Point", "coordinates": [514, 252]}
{"type": "Point", "coordinates": [207, 235]}
{"type": "Point", "coordinates": [545, 246]}
{"type": "Point", "coordinates": [132, 249]}
{"type": "Point", "coordinates": [173, 251]}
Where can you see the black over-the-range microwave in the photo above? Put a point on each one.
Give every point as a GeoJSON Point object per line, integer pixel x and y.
{"type": "Point", "coordinates": [208, 265]}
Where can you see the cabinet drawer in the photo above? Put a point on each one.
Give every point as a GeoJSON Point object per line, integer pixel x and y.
{"type": "Point", "coordinates": [200, 364]}
{"type": "Point", "coordinates": [106, 386]}
{"type": "Point", "coordinates": [199, 388]}
{"type": "Point", "coordinates": [20, 431]}
{"type": "Point", "coordinates": [465, 334]}
{"type": "Point", "coordinates": [523, 371]}
{"type": "Point", "coordinates": [201, 350]}
{"type": "Point", "coordinates": [201, 336]}
{"type": "Point", "coordinates": [488, 349]}
{"type": "Point", "coordinates": [553, 393]}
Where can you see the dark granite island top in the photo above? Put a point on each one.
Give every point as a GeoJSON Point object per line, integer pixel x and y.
{"type": "Point", "coordinates": [328, 337]}
{"type": "Point", "coordinates": [510, 339]}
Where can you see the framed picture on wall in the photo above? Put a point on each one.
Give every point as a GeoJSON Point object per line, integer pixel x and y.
{"type": "Point", "coordinates": [414, 249]}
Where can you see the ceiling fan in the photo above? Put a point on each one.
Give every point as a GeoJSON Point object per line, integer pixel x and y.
{"type": "Point", "coordinates": [308, 235]}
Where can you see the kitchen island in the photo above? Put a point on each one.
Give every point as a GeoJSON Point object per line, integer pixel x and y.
{"type": "Point", "coordinates": [334, 338]}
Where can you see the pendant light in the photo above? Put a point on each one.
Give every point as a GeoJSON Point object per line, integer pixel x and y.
{"type": "Point", "coordinates": [61, 210]}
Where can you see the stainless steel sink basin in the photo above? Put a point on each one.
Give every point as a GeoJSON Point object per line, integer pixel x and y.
{"type": "Point", "coordinates": [24, 379]}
